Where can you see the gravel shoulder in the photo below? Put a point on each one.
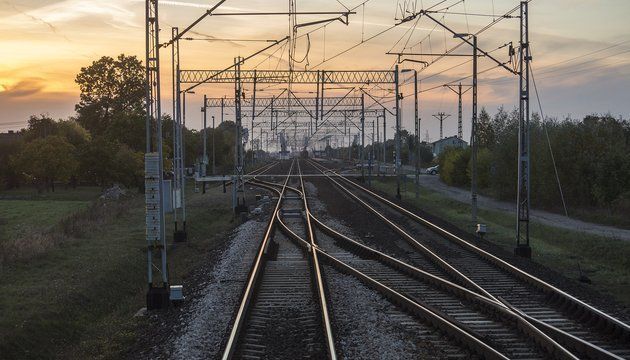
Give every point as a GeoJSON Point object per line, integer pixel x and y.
{"type": "Point", "coordinates": [197, 328]}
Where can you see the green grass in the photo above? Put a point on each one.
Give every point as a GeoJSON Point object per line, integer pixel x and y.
{"type": "Point", "coordinates": [20, 216]}
{"type": "Point", "coordinates": [62, 193]}
{"type": "Point", "coordinates": [605, 261]}
{"type": "Point", "coordinates": [77, 299]}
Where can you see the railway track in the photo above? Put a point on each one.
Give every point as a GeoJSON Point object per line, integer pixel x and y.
{"type": "Point", "coordinates": [574, 324]}
{"type": "Point", "coordinates": [492, 335]}
{"type": "Point", "coordinates": [282, 313]}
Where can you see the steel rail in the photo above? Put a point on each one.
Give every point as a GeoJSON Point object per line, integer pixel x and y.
{"type": "Point", "coordinates": [617, 328]}
{"type": "Point", "coordinates": [433, 256]}
{"type": "Point", "coordinates": [524, 324]}
{"type": "Point", "coordinates": [553, 342]}
{"type": "Point", "coordinates": [531, 327]}
{"type": "Point", "coordinates": [538, 336]}
{"type": "Point", "coordinates": [423, 312]}
{"type": "Point", "coordinates": [318, 275]}
{"type": "Point", "coordinates": [253, 277]}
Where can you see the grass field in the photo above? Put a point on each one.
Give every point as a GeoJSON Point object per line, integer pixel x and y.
{"type": "Point", "coordinates": [77, 298]}
{"type": "Point", "coordinates": [605, 261]}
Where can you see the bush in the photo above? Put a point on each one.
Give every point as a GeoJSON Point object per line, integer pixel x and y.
{"type": "Point", "coordinates": [453, 166]}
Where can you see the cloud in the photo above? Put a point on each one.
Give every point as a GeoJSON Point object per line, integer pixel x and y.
{"type": "Point", "coordinates": [24, 88]}
{"type": "Point", "coordinates": [69, 11]}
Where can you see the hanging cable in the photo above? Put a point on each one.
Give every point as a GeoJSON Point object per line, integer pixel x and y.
{"type": "Point", "coordinates": [553, 159]}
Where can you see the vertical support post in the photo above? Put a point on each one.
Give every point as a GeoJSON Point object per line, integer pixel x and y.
{"type": "Point", "coordinates": [345, 132]}
{"type": "Point", "coordinates": [179, 235]}
{"type": "Point", "coordinates": [253, 117]}
{"type": "Point", "coordinates": [417, 131]}
{"type": "Point", "coordinates": [384, 137]}
{"type": "Point", "coordinates": [158, 293]}
{"type": "Point", "coordinates": [321, 100]}
{"type": "Point", "coordinates": [237, 181]}
{"type": "Point", "coordinates": [371, 156]}
{"type": "Point", "coordinates": [345, 120]}
{"type": "Point", "coordinates": [175, 119]}
{"type": "Point", "coordinates": [271, 118]}
{"type": "Point", "coordinates": [182, 158]}
{"type": "Point", "coordinates": [523, 194]}
{"type": "Point", "coordinates": [204, 161]}
{"type": "Point", "coordinates": [473, 135]}
{"type": "Point", "coordinates": [317, 103]}
{"type": "Point", "coordinates": [361, 155]}
{"type": "Point", "coordinates": [222, 109]}
{"type": "Point", "coordinates": [460, 131]}
{"type": "Point", "coordinates": [214, 163]}
{"type": "Point", "coordinates": [397, 137]}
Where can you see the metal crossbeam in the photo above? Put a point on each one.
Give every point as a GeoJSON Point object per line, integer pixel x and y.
{"type": "Point", "coordinates": [284, 102]}
{"type": "Point", "coordinates": [336, 113]}
{"type": "Point", "coordinates": [286, 76]}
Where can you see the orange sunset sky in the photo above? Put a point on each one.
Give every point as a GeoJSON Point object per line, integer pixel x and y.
{"type": "Point", "coordinates": [581, 50]}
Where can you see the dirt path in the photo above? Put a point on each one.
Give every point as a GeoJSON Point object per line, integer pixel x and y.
{"type": "Point", "coordinates": [543, 217]}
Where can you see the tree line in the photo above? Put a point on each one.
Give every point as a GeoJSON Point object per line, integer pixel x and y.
{"type": "Point", "coordinates": [104, 142]}
{"type": "Point", "coordinates": [592, 159]}
{"type": "Point", "coordinates": [408, 146]}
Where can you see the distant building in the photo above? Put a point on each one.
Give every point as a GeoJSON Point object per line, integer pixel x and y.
{"type": "Point", "coordinates": [451, 141]}
{"type": "Point", "coordinates": [9, 137]}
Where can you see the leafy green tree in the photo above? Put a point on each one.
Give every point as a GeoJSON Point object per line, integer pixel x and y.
{"type": "Point", "coordinates": [47, 160]}
{"type": "Point", "coordinates": [109, 88]}
{"type": "Point", "coordinates": [453, 166]}
{"type": "Point", "coordinates": [128, 167]}
{"type": "Point", "coordinates": [485, 130]}
{"type": "Point", "coordinates": [97, 160]}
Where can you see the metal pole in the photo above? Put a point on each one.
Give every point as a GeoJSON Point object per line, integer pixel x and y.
{"type": "Point", "coordinates": [156, 297]}
{"type": "Point", "coordinates": [473, 136]}
{"type": "Point", "coordinates": [523, 194]}
{"type": "Point", "coordinates": [271, 119]}
{"type": "Point", "coordinates": [384, 138]}
{"type": "Point", "coordinates": [175, 118]}
{"type": "Point", "coordinates": [204, 160]}
{"type": "Point", "coordinates": [361, 155]}
{"type": "Point", "coordinates": [317, 103]}
{"type": "Point", "coordinates": [253, 116]}
{"type": "Point", "coordinates": [182, 164]}
{"type": "Point", "coordinates": [397, 137]}
{"type": "Point", "coordinates": [222, 109]}
{"type": "Point", "coordinates": [372, 158]}
{"type": "Point", "coordinates": [460, 131]}
{"type": "Point", "coordinates": [214, 164]}
{"type": "Point", "coordinates": [321, 112]}
{"type": "Point", "coordinates": [237, 183]}
{"type": "Point", "coordinates": [417, 123]}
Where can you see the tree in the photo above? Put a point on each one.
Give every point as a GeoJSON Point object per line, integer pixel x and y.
{"type": "Point", "coordinates": [39, 127]}
{"type": "Point", "coordinates": [110, 87]}
{"type": "Point", "coordinates": [47, 160]}
{"type": "Point", "coordinates": [97, 161]}
{"type": "Point", "coordinates": [128, 167]}
{"type": "Point", "coordinates": [453, 166]}
{"type": "Point", "coordinates": [485, 130]}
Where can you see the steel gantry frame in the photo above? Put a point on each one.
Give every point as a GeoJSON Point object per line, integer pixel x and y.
{"type": "Point", "coordinates": [299, 112]}
{"type": "Point", "coordinates": [321, 78]}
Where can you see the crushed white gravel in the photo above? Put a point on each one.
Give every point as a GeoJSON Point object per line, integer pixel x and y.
{"type": "Point", "coordinates": [204, 326]}
{"type": "Point", "coordinates": [367, 326]}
